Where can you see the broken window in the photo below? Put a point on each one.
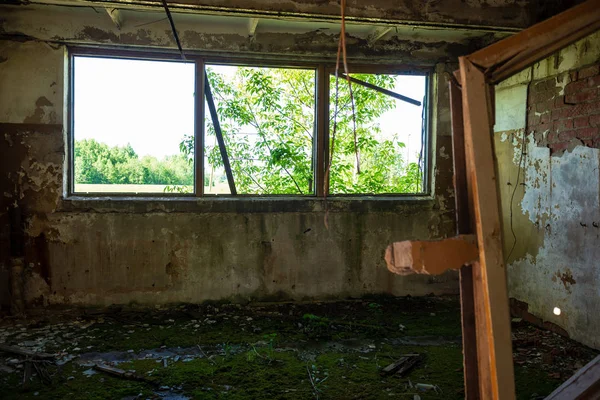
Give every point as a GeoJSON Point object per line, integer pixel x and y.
{"type": "Point", "coordinates": [381, 148]}
{"type": "Point", "coordinates": [129, 118]}
{"type": "Point", "coordinates": [138, 127]}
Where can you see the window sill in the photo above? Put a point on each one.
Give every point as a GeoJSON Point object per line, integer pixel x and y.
{"type": "Point", "coordinates": [143, 205]}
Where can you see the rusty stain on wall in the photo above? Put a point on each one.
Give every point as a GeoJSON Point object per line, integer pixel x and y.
{"type": "Point", "coordinates": [566, 278]}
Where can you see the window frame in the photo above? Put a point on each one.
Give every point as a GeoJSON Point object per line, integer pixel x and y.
{"type": "Point", "coordinates": [321, 115]}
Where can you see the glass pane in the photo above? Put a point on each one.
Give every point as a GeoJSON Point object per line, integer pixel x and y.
{"type": "Point", "coordinates": [133, 126]}
{"type": "Point", "coordinates": [388, 136]}
{"type": "Point", "coordinates": [267, 121]}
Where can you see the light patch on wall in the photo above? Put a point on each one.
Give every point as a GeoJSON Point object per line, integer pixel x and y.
{"type": "Point", "coordinates": [538, 181]}
{"type": "Point", "coordinates": [510, 113]}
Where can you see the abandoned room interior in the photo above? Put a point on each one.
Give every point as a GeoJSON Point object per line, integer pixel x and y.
{"type": "Point", "coordinates": [300, 199]}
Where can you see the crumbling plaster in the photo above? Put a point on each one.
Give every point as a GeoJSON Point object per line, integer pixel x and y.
{"type": "Point", "coordinates": [103, 251]}
{"type": "Point", "coordinates": [483, 14]}
{"type": "Point", "coordinates": [218, 35]}
{"type": "Point", "coordinates": [550, 205]}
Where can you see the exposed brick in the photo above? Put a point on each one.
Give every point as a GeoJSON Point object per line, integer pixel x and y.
{"type": "Point", "coordinates": [562, 125]}
{"type": "Point", "coordinates": [546, 84]}
{"type": "Point", "coordinates": [542, 96]}
{"type": "Point", "coordinates": [578, 110]}
{"type": "Point", "coordinates": [559, 101]}
{"type": "Point", "coordinates": [592, 81]}
{"type": "Point", "coordinates": [557, 114]}
{"type": "Point", "coordinates": [544, 106]}
{"type": "Point", "coordinates": [594, 120]}
{"type": "Point", "coordinates": [545, 118]}
{"type": "Point", "coordinates": [589, 71]}
{"type": "Point", "coordinates": [557, 147]}
{"type": "Point", "coordinates": [552, 137]}
{"type": "Point", "coordinates": [588, 142]}
{"type": "Point", "coordinates": [581, 97]}
{"type": "Point", "coordinates": [574, 75]}
{"type": "Point", "coordinates": [576, 87]}
{"type": "Point", "coordinates": [566, 136]}
{"type": "Point", "coordinates": [581, 122]}
{"type": "Point", "coordinates": [533, 120]}
{"type": "Point", "coordinates": [586, 133]}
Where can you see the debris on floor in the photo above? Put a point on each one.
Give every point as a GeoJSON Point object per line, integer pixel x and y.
{"type": "Point", "coordinates": [359, 349]}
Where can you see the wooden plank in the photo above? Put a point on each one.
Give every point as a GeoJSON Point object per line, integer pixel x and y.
{"type": "Point", "coordinates": [431, 257]}
{"type": "Point", "coordinates": [585, 384]}
{"type": "Point", "coordinates": [25, 352]}
{"type": "Point", "coordinates": [199, 117]}
{"type": "Point", "coordinates": [461, 197]}
{"type": "Point", "coordinates": [321, 146]}
{"type": "Point", "coordinates": [496, 374]}
{"type": "Point", "coordinates": [509, 56]}
{"type": "Point", "coordinates": [402, 365]}
{"type": "Point", "coordinates": [215, 120]}
{"type": "Point", "coordinates": [463, 226]}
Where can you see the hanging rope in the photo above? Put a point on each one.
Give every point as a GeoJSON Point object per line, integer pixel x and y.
{"type": "Point", "coordinates": [341, 54]}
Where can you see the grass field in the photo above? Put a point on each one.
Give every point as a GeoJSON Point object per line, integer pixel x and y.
{"type": "Point", "coordinates": [113, 188]}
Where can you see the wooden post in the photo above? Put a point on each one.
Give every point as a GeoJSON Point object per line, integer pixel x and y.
{"type": "Point", "coordinates": [463, 227]}
{"type": "Point", "coordinates": [496, 375]}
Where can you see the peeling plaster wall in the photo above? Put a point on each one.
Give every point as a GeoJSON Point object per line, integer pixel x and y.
{"type": "Point", "coordinates": [116, 251]}
{"type": "Point", "coordinates": [549, 178]}
{"type": "Point", "coordinates": [208, 34]}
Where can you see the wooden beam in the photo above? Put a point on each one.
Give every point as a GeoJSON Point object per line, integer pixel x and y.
{"type": "Point", "coordinates": [496, 374]}
{"type": "Point", "coordinates": [252, 24]}
{"type": "Point", "coordinates": [585, 384]}
{"type": "Point", "coordinates": [215, 120]}
{"type": "Point", "coordinates": [116, 16]}
{"type": "Point", "coordinates": [463, 226]}
{"type": "Point", "coordinates": [377, 34]}
{"type": "Point", "coordinates": [431, 257]}
{"type": "Point", "coordinates": [511, 55]}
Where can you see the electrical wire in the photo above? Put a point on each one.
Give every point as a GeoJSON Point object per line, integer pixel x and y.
{"type": "Point", "coordinates": [512, 197]}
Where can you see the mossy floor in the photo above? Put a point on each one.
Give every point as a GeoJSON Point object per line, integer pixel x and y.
{"type": "Point", "coordinates": [330, 350]}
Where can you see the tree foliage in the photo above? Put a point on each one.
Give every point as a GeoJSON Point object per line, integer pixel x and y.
{"type": "Point", "coordinates": [277, 107]}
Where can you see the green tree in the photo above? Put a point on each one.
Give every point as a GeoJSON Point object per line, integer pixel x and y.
{"type": "Point", "coordinates": [267, 120]}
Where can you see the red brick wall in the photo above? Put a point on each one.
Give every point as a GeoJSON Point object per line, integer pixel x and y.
{"type": "Point", "coordinates": [561, 120]}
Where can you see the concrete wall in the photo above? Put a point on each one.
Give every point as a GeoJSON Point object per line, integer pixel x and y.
{"type": "Point", "coordinates": [102, 251]}
{"type": "Point", "coordinates": [547, 139]}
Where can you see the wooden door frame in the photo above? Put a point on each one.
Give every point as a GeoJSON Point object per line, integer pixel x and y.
{"type": "Point", "coordinates": [487, 353]}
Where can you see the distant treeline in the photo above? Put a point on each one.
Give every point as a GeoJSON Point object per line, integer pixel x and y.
{"type": "Point", "coordinates": [97, 163]}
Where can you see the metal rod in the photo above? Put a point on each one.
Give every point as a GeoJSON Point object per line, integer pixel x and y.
{"type": "Point", "coordinates": [219, 134]}
{"type": "Point", "coordinates": [382, 90]}
{"type": "Point", "coordinates": [164, 2]}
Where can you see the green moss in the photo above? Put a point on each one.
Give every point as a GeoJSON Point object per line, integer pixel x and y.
{"type": "Point", "coordinates": [272, 352]}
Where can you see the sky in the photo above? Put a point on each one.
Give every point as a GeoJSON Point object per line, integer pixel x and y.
{"type": "Point", "coordinates": [150, 105]}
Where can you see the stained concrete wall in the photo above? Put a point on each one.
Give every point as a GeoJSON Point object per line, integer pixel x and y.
{"type": "Point", "coordinates": [102, 251]}
{"type": "Point", "coordinates": [548, 172]}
